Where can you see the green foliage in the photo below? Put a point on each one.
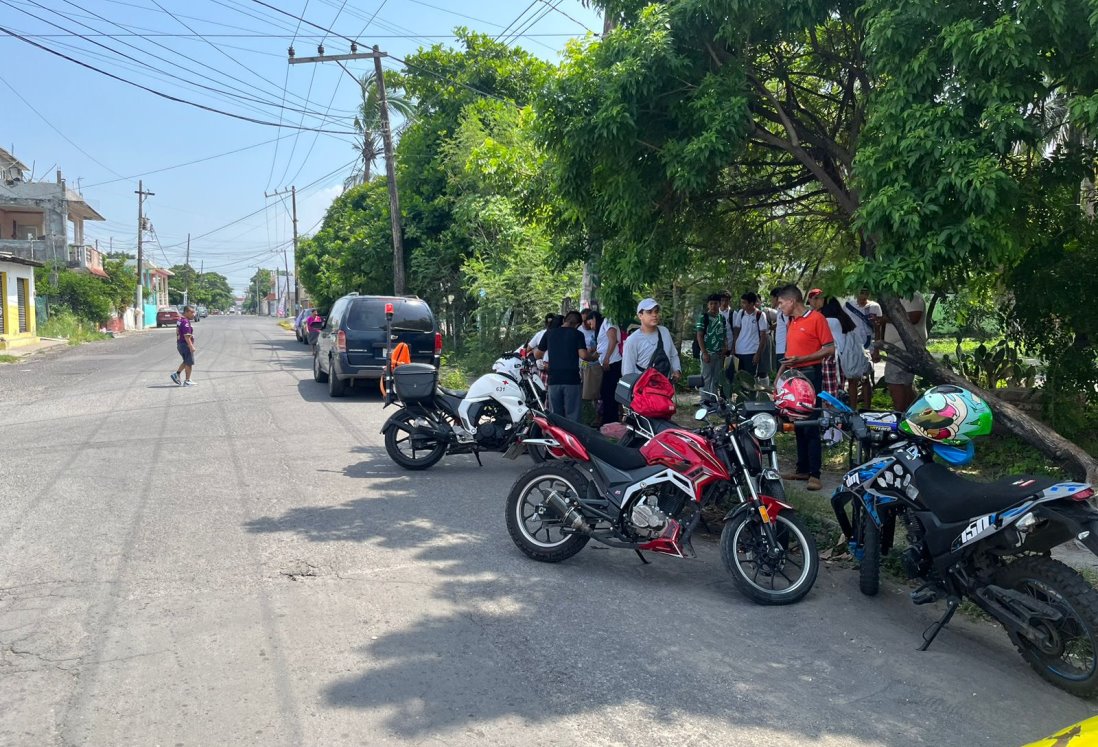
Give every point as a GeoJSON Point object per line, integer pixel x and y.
{"type": "Point", "coordinates": [88, 297]}
{"type": "Point", "coordinates": [210, 289]}
{"type": "Point", "coordinates": [64, 324]}
{"type": "Point", "coordinates": [353, 249]}
{"type": "Point", "coordinates": [991, 367]}
{"type": "Point", "coordinates": [261, 283]}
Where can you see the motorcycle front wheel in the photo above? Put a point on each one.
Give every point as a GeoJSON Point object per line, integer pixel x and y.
{"type": "Point", "coordinates": [1069, 657]}
{"type": "Point", "coordinates": [409, 449]}
{"type": "Point", "coordinates": [869, 568]}
{"type": "Point", "coordinates": [766, 575]}
{"type": "Point", "coordinates": [535, 526]}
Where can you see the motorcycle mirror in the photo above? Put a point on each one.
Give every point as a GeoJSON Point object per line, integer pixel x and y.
{"type": "Point", "coordinates": [701, 414]}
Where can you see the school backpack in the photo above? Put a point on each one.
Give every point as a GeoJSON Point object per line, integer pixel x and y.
{"type": "Point", "coordinates": [854, 360]}
{"type": "Point", "coordinates": [653, 395]}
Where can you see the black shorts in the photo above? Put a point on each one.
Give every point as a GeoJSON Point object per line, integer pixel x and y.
{"type": "Point", "coordinates": [186, 352]}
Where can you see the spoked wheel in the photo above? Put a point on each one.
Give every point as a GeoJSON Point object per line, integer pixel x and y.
{"type": "Point", "coordinates": [1068, 658]}
{"type": "Point", "coordinates": [770, 575]}
{"type": "Point", "coordinates": [408, 446]}
{"type": "Point", "coordinates": [536, 527]}
{"type": "Point", "coordinates": [869, 570]}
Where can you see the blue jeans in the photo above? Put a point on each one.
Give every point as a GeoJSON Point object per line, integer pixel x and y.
{"type": "Point", "coordinates": [564, 399]}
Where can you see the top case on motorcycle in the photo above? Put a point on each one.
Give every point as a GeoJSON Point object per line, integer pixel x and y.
{"type": "Point", "coordinates": [953, 498]}
{"type": "Point", "coordinates": [616, 456]}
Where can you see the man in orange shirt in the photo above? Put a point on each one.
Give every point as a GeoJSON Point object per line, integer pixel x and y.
{"type": "Point", "coordinates": [808, 341]}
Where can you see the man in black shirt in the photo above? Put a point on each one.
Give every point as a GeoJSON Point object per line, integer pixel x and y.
{"type": "Point", "coordinates": [565, 345]}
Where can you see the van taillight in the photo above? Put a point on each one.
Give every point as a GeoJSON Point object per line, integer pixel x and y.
{"type": "Point", "coordinates": [438, 343]}
{"type": "Point", "coordinates": [341, 341]}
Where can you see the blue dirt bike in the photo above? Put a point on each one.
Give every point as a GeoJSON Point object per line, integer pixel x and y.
{"type": "Point", "coordinates": [987, 542]}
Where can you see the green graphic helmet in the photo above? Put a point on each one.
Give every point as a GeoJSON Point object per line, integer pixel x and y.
{"type": "Point", "coordinates": [949, 415]}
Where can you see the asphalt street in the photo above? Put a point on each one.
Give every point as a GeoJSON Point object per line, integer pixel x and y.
{"type": "Point", "coordinates": [240, 563]}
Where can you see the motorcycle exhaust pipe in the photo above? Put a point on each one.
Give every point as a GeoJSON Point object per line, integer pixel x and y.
{"type": "Point", "coordinates": [568, 514]}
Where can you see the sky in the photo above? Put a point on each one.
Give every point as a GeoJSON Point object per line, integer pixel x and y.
{"type": "Point", "coordinates": [105, 134]}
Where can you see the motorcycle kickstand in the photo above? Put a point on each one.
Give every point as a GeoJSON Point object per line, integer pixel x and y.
{"type": "Point", "coordinates": [641, 556]}
{"type": "Point", "coordinates": [476, 453]}
{"type": "Point", "coordinates": [952, 604]}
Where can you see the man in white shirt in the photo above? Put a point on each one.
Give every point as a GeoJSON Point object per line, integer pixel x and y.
{"type": "Point", "coordinates": [609, 356]}
{"type": "Point", "coordinates": [899, 380]}
{"type": "Point", "coordinates": [749, 332]}
{"type": "Point", "coordinates": [641, 346]}
{"type": "Point", "coordinates": [865, 314]}
{"type": "Point", "coordinates": [781, 325]}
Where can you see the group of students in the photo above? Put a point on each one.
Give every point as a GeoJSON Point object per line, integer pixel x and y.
{"type": "Point", "coordinates": [833, 343]}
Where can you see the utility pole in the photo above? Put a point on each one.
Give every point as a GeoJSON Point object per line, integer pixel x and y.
{"type": "Point", "coordinates": [387, 138]}
{"type": "Point", "coordinates": [138, 296]}
{"type": "Point", "coordinates": [297, 285]}
{"type": "Point", "coordinates": [297, 281]}
{"type": "Point", "coordinates": [187, 264]}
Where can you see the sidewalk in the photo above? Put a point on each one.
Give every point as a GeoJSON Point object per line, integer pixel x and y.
{"type": "Point", "coordinates": [44, 343]}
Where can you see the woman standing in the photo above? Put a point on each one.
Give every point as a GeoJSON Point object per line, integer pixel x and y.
{"type": "Point", "coordinates": [608, 349]}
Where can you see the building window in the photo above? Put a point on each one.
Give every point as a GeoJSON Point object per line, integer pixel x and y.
{"type": "Point", "coordinates": [22, 299]}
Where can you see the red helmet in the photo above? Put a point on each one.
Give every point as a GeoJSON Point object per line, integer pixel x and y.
{"type": "Point", "coordinates": [794, 395]}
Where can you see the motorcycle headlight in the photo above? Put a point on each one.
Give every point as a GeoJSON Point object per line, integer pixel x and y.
{"type": "Point", "coordinates": [765, 426]}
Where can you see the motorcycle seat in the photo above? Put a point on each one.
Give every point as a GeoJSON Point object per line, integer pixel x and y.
{"type": "Point", "coordinates": [598, 446]}
{"type": "Point", "coordinates": [954, 498]}
{"type": "Point", "coordinates": [457, 393]}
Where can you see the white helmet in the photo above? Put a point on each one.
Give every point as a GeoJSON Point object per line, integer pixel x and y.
{"type": "Point", "coordinates": [509, 366]}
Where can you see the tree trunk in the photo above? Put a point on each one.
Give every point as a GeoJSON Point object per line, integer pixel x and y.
{"type": "Point", "coordinates": [916, 358]}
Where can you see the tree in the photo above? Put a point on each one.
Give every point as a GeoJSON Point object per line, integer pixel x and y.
{"type": "Point", "coordinates": [898, 124]}
{"type": "Point", "coordinates": [260, 282]}
{"type": "Point", "coordinates": [368, 124]}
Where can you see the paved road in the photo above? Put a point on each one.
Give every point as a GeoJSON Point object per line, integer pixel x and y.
{"type": "Point", "coordinates": [240, 563]}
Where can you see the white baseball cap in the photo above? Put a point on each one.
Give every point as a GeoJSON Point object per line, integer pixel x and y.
{"type": "Point", "coordinates": [646, 304]}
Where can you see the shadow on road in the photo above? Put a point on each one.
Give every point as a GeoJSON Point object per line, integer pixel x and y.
{"type": "Point", "coordinates": [601, 636]}
{"type": "Point", "coordinates": [362, 391]}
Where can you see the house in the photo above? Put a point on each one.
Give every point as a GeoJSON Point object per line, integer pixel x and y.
{"type": "Point", "coordinates": [44, 221]}
{"type": "Point", "coordinates": [154, 292]}
{"type": "Point", "coordinates": [17, 316]}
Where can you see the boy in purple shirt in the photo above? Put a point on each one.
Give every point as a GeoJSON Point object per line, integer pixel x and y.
{"type": "Point", "coordinates": [184, 343]}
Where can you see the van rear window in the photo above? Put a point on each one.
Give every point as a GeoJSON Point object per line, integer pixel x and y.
{"type": "Point", "coordinates": [408, 316]}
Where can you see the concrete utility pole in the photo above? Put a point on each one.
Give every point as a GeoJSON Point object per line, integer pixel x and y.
{"type": "Point", "coordinates": [387, 138]}
{"type": "Point", "coordinates": [297, 284]}
{"type": "Point", "coordinates": [138, 296]}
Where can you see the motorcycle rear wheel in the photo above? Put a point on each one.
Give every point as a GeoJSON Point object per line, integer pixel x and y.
{"type": "Point", "coordinates": [763, 579]}
{"type": "Point", "coordinates": [399, 438]}
{"type": "Point", "coordinates": [535, 527]}
{"type": "Point", "coordinates": [1070, 661]}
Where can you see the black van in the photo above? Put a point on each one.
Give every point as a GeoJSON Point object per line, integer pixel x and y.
{"type": "Point", "coordinates": [351, 344]}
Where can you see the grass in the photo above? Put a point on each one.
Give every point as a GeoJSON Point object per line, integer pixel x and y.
{"type": "Point", "coordinates": [67, 326]}
{"type": "Point", "coordinates": [8, 358]}
{"type": "Point", "coordinates": [286, 324]}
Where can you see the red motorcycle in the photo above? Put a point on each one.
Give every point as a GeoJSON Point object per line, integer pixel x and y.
{"type": "Point", "coordinates": [651, 499]}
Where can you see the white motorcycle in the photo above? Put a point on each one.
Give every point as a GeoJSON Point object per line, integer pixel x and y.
{"type": "Point", "coordinates": [495, 414]}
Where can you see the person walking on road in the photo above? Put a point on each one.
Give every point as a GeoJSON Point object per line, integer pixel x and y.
{"type": "Point", "coordinates": [710, 333]}
{"type": "Point", "coordinates": [565, 346]}
{"type": "Point", "coordinates": [808, 343]}
{"type": "Point", "coordinates": [184, 343]}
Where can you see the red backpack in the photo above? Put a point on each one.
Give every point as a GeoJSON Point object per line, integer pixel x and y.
{"type": "Point", "coordinates": [653, 395]}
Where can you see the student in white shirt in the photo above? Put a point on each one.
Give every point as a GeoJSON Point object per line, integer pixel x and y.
{"type": "Point", "coordinates": [750, 329]}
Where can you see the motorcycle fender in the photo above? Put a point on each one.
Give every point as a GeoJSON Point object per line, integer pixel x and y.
{"type": "Point", "coordinates": [772, 505]}
{"type": "Point", "coordinates": [1079, 518]}
{"type": "Point", "coordinates": [392, 418]}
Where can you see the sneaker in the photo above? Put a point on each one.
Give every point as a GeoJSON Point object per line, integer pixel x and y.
{"type": "Point", "coordinates": [813, 484]}
{"type": "Point", "coordinates": [188, 382]}
{"type": "Point", "coordinates": [794, 476]}
{"type": "Point", "coordinates": [175, 378]}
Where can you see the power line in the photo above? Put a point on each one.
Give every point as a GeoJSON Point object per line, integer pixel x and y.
{"type": "Point", "coordinates": [163, 95]}
{"type": "Point", "coordinates": [570, 18]}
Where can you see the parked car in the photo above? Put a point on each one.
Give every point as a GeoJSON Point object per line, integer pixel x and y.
{"type": "Point", "coordinates": [167, 316]}
{"type": "Point", "coordinates": [301, 327]}
{"type": "Point", "coordinates": [201, 312]}
{"type": "Point", "coordinates": [351, 346]}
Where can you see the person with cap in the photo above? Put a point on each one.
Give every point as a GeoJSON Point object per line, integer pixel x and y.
{"type": "Point", "coordinates": [651, 346]}
{"type": "Point", "coordinates": [709, 331]}
{"type": "Point", "coordinates": [808, 343]}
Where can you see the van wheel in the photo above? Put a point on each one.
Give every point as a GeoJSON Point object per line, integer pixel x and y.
{"type": "Point", "coordinates": [318, 374]}
{"type": "Point", "coordinates": [336, 386]}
